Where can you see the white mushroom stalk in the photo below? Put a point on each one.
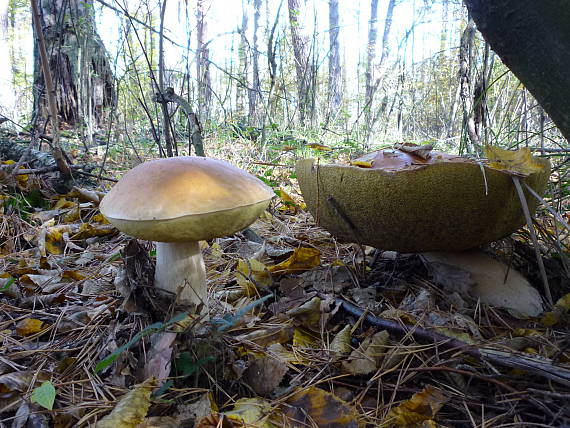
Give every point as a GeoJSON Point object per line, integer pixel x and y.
{"type": "Point", "coordinates": [180, 270]}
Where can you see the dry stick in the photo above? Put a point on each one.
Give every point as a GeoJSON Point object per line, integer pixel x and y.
{"type": "Point", "coordinates": [50, 93]}
{"type": "Point", "coordinates": [540, 366]}
{"type": "Point", "coordinates": [528, 219]}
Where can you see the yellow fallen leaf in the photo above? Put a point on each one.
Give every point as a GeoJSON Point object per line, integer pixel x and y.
{"type": "Point", "coordinates": [304, 339]}
{"type": "Point", "coordinates": [63, 203]}
{"type": "Point", "coordinates": [518, 161]}
{"type": "Point", "coordinates": [131, 408]}
{"type": "Point", "coordinates": [252, 275]}
{"type": "Point", "coordinates": [252, 412]}
{"type": "Point", "coordinates": [560, 308]}
{"type": "Point", "coordinates": [302, 259]}
{"type": "Point", "coordinates": [288, 202]}
{"type": "Point", "coordinates": [22, 179]}
{"type": "Point", "coordinates": [319, 147]}
{"type": "Point", "coordinates": [30, 326]}
{"type": "Point", "coordinates": [362, 164]}
{"type": "Point", "coordinates": [421, 408]}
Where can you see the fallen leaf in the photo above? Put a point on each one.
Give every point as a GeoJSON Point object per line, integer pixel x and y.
{"type": "Point", "coordinates": [369, 355]}
{"type": "Point", "coordinates": [319, 147]}
{"type": "Point", "coordinates": [559, 310]}
{"type": "Point", "coordinates": [518, 161]}
{"type": "Point", "coordinates": [308, 314]}
{"type": "Point", "coordinates": [340, 345]}
{"type": "Point", "coordinates": [302, 259]}
{"type": "Point", "coordinates": [422, 407]}
{"type": "Point", "coordinates": [30, 326]}
{"type": "Point", "coordinates": [252, 412]}
{"type": "Point", "coordinates": [252, 276]}
{"type": "Point", "coordinates": [265, 374]}
{"type": "Point", "coordinates": [362, 164]}
{"type": "Point", "coordinates": [316, 407]}
{"type": "Point", "coordinates": [44, 395]}
{"type": "Point", "coordinates": [131, 408]}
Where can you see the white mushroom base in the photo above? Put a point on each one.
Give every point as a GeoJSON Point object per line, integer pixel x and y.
{"type": "Point", "coordinates": [180, 270]}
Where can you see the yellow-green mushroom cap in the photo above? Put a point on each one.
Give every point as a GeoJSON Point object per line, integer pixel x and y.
{"type": "Point", "coordinates": [409, 204]}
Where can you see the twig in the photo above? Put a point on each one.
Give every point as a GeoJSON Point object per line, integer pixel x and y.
{"type": "Point", "coordinates": [539, 366]}
{"type": "Point", "coordinates": [530, 226]}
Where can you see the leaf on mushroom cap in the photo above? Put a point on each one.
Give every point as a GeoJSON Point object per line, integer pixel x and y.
{"type": "Point", "coordinates": [185, 199]}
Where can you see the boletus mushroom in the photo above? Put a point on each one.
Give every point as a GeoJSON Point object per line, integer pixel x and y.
{"type": "Point", "coordinates": [408, 203]}
{"type": "Point", "coordinates": [178, 202]}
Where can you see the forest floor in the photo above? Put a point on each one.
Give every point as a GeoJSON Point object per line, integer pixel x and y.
{"type": "Point", "coordinates": [302, 330]}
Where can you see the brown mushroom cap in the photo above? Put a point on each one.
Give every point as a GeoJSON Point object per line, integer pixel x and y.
{"type": "Point", "coordinates": [185, 199]}
{"type": "Point", "coordinates": [409, 204]}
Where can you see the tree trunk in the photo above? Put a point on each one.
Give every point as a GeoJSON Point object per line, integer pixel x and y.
{"type": "Point", "coordinates": [255, 90]}
{"type": "Point", "coordinates": [335, 88]}
{"type": "Point", "coordinates": [79, 65]}
{"type": "Point", "coordinates": [370, 58]}
{"type": "Point", "coordinates": [203, 63]}
{"type": "Point", "coordinates": [243, 84]}
{"type": "Point", "coordinates": [465, 49]}
{"type": "Point", "coordinates": [303, 60]}
{"type": "Point", "coordinates": [533, 39]}
{"type": "Point", "coordinates": [6, 78]}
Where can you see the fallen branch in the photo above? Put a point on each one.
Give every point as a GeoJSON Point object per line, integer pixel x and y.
{"type": "Point", "coordinates": [537, 365]}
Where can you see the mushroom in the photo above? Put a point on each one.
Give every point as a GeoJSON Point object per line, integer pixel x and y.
{"type": "Point", "coordinates": [178, 202]}
{"type": "Point", "coordinates": [409, 203]}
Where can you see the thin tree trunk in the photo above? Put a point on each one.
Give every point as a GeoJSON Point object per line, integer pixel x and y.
{"type": "Point", "coordinates": [303, 59]}
{"type": "Point", "coordinates": [203, 63]}
{"type": "Point", "coordinates": [465, 49]}
{"type": "Point", "coordinates": [255, 90]}
{"type": "Point", "coordinates": [161, 86]}
{"type": "Point", "coordinates": [335, 82]}
{"type": "Point", "coordinates": [370, 58]}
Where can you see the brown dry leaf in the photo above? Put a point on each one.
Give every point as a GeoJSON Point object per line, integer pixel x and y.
{"type": "Point", "coordinates": [316, 407]}
{"type": "Point", "coordinates": [131, 408]}
{"type": "Point", "coordinates": [422, 407]}
{"type": "Point", "coordinates": [54, 242]}
{"type": "Point", "coordinates": [30, 326]}
{"type": "Point", "coordinates": [518, 161]}
{"type": "Point", "coordinates": [308, 314]}
{"type": "Point", "coordinates": [265, 374]}
{"type": "Point", "coordinates": [368, 357]}
{"type": "Point", "coordinates": [303, 258]}
{"type": "Point", "coordinates": [215, 421]}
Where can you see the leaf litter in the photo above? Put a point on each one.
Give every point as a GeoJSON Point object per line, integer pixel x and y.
{"type": "Point", "coordinates": [304, 331]}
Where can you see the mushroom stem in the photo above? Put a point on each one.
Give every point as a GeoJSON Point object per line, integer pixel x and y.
{"type": "Point", "coordinates": [180, 270]}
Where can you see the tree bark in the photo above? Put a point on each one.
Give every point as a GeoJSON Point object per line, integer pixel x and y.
{"type": "Point", "coordinates": [203, 63]}
{"type": "Point", "coordinates": [335, 82]}
{"type": "Point", "coordinates": [255, 91]}
{"type": "Point", "coordinates": [83, 80]}
{"type": "Point", "coordinates": [533, 39]}
{"type": "Point", "coordinates": [303, 61]}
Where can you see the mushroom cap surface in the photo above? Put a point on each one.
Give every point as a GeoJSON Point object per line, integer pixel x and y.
{"type": "Point", "coordinates": [185, 199]}
{"type": "Point", "coordinates": [409, 204]}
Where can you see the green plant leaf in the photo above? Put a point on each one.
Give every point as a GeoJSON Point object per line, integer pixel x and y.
{"type": "Point", "coordinates": [153, 328]}
{"type": "Point", "coordinates": [44, 395]}
{"type": "Point", "coordinates": [8, 284]}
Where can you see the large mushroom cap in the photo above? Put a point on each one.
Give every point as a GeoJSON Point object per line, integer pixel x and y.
{"type": "Point", "coordinates": [185, 199]}
{"type": "Point", "coordinates": [409, 204]}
